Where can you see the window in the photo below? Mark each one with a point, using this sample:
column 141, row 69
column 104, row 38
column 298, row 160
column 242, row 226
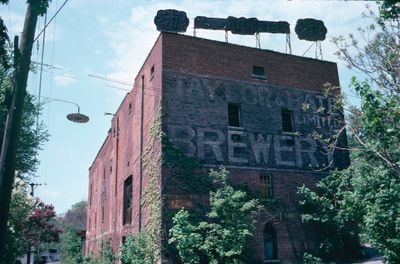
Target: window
column 234, row 115
column 127, row 212
column 130, row 108
column 151, row 72
column 102, row 214
column 287, row 120
column 90, row 194
column 266, row 187
column 258, row 72
column 111, row 162
column 270, row 243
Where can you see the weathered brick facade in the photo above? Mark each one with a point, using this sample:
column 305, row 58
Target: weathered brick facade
column 192, row 81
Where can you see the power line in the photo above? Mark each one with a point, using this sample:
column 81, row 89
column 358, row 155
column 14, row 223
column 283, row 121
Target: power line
column 51, row 19
column 41, row 74
column 110, row 80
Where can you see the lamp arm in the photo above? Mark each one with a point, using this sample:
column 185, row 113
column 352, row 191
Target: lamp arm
column 64, row 101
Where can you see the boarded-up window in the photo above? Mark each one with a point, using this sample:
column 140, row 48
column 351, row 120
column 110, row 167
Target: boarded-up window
column 127, row 210
column 179, row 201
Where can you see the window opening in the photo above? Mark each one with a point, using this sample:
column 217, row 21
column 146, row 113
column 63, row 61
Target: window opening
column 234, row 115
column 287, row 120
column 151, row 72
column 127, row 212
column 270, row 243
column 266, row 187
column 102, row 214
column 258, row 71
column 130, row 108
column 111, row 163
column 90, row 194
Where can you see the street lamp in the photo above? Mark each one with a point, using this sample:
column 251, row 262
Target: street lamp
column 73, row 117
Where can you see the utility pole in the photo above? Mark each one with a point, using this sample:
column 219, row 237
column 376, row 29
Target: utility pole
column 22, row 57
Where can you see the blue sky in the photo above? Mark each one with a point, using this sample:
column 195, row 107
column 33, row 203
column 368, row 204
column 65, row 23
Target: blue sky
column 112, row 39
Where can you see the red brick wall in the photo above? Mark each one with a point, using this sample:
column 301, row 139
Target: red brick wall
column 206, row 57
column 199, row 57
column 186, row 60
column 122, row 145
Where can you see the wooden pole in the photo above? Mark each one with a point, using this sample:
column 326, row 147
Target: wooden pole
column 13, row 124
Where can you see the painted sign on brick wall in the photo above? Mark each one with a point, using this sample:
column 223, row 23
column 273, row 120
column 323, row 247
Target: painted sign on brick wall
column 197, row 121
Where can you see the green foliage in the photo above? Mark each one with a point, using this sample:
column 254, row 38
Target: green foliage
column 335, row 214
column 31, row 222
column 21, row 207
column 311, row 259
column 187, row 237
column 76, row 216
column 224, row 236
column 138, row 249
column 4, row 40
column 389, row 9
column 40, row 5
column 71, row 251
column 31, row 138
column 185, row 171
column 104, row 254
column 363, row 199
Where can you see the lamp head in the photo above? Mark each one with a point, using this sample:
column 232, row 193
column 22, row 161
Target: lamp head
column 78, row 118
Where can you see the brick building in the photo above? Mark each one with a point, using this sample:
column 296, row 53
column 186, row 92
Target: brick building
column 221, row 104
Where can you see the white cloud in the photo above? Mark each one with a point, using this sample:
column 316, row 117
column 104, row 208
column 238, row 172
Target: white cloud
column 14, row 22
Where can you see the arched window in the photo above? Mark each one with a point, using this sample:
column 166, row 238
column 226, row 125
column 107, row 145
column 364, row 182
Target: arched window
column 270, row 248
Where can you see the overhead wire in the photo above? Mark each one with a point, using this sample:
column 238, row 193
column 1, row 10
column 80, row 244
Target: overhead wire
column 41, row 75
column 52, row 68
column 51, row 19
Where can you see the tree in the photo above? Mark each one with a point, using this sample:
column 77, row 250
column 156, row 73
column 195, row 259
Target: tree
column 333, row 212
column 11, row 137
column 21, row 204
column 364, row 198
column 73, row 222
column 137, row 249
column 31, row 223
column 224, row 236
column 71, row 248
column 390, row 9
column 76, row 216
column 32, row 137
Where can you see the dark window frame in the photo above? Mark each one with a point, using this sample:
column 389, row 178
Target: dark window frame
column 152, row 72
column 102, row 214
column 130, row 108
column 234, row 115
column 266, row 185
column 287, row 120
column 272, row 252
column 259, row 72
column 127, row 201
